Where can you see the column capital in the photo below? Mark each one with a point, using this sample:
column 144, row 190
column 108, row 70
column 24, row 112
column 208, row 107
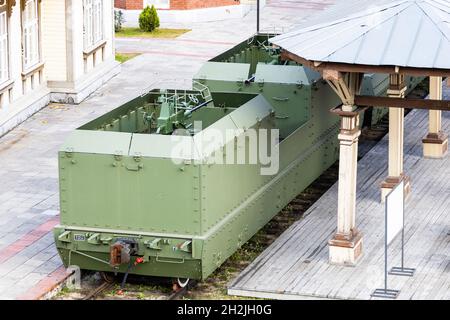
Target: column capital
column 349, row 136
column 349, row 124
column 349, row 108
column 396, row 81
column 394, row 92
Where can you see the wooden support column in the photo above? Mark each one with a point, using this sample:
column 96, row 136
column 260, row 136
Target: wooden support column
column 397, row 89
column 435, row 144
column 346, row 246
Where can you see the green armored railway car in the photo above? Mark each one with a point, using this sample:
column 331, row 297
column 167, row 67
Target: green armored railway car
column 140, row 192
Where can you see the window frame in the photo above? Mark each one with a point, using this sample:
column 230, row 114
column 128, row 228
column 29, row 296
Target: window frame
column 4, row 10
column 26, row 26
column 93, row 24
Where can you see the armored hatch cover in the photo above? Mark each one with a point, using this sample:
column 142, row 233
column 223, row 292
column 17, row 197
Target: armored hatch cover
column 97, row 142
column 223, row 71
column 285, row 74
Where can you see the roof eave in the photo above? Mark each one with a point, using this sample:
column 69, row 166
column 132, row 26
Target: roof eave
column 361, row 68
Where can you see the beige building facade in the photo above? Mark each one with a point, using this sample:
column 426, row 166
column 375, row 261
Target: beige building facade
column 52, row 51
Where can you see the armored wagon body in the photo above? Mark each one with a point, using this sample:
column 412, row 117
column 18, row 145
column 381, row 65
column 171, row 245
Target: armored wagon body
column 139, row 196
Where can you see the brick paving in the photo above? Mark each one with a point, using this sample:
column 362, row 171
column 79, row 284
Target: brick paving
column 29, row 264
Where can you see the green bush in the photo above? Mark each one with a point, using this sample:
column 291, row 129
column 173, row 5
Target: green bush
column 148, row 19
column 118, row 20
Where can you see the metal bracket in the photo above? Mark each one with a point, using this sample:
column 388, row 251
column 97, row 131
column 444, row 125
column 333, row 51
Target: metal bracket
column 185, row 246
column 281, row 99
column 137, row 157
column 65, row 236
column 94, row 238
column 105, row 240
column 135, row 167
column 154, row 244
column 177, row 261
column 69, row 152
column 118, row 156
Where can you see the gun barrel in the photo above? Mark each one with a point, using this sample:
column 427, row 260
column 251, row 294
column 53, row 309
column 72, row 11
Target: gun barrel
column 198, row 107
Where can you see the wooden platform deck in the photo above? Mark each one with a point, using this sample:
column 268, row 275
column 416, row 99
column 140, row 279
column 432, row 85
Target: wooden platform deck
column 296, row 265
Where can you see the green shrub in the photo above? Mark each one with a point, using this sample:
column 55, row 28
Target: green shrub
column 148, row 19
column 118, row 20
column 155, row 15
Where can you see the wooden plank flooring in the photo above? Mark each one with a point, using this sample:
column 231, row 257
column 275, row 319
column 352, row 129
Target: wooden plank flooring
column 296, row 265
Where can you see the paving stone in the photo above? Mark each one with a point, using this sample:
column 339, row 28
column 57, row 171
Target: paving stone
column 50, row 212
column 16, row 271
column 49, row 266
column 30, row 280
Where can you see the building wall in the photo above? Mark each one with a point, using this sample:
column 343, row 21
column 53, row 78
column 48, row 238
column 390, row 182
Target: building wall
column 129, row 4
column 175, row 4
column 80, row 62
column 84, row 66
column 25, row 91
column 197, row 4
column 65, row 72
column 54, row 39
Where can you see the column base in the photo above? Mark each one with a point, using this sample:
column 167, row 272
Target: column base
column 345, row 250
column 435, row 145
column 390, row 183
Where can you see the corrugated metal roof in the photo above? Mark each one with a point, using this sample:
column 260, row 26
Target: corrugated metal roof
column 405, row 33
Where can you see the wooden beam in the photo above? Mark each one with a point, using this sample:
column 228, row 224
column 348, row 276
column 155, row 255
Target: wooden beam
column 286, row 55
column 362, row 68
column 372, row 101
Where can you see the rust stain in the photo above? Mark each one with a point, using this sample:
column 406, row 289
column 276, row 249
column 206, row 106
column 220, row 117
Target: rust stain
column 10, row 143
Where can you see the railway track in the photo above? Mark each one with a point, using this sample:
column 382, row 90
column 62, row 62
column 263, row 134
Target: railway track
column 97, row 291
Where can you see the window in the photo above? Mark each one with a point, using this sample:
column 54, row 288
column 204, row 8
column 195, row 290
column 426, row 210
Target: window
column 4, row 72
column 93, row 23
column 30, row 27
column 159, row 4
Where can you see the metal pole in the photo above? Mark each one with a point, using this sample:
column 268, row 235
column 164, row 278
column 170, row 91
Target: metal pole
column 403, row 233
column 257, row 16
column 385, row 248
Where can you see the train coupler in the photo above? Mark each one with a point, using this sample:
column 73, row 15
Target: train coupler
column 121, row 252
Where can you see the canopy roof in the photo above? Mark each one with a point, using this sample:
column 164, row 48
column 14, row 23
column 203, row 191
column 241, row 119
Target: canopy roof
column 403, row 33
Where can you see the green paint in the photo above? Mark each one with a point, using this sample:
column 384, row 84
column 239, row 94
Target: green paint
column 117, row 179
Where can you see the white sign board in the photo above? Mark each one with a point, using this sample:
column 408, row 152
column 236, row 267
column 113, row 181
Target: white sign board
column 394, row 212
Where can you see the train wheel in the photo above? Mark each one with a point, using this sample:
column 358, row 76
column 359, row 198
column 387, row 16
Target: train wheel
column 180, row 283
column 108, row 276
column 183, row 282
